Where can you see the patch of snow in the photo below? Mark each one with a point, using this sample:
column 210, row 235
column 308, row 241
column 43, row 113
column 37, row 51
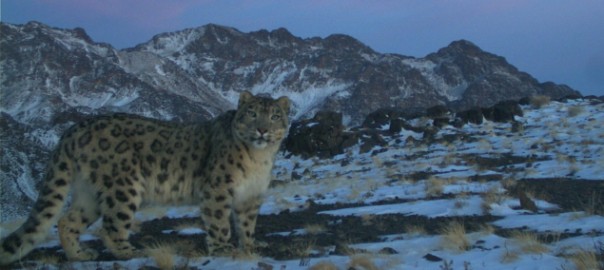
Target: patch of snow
column 303, row 103
column 191, row 231
column 167, row 45
column 159, row 70
column 431, row 208
column 563, row 222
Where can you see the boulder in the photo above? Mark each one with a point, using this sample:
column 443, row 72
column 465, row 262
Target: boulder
column 397, row 125
column 440, row 122
column 473, row 116
column 437, row 111
column 503, row 111
column 380, row 118
column 396, row 119
column 321, row 136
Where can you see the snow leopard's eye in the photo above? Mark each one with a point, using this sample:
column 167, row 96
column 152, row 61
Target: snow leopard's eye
column 251, row 114
column 275, row 117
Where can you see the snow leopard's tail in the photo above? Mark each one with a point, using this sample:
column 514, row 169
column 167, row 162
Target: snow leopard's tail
column 45, row 211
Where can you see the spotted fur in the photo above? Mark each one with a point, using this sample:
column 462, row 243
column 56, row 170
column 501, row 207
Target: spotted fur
column 114, row 163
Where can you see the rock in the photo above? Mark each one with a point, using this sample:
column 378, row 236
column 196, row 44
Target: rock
column 321, row 136
column 432, row 258
column 526, row 202
column 389, row 116
column 517, row 127
column 503, row 111
column 525, row 101
column 440, row 122
column 296, row 176
column 429, row 133
column 370, row 140
column 396, row 125
column 380, row 118
column 573, row 96
column 264, row 266
column 412, row 141
column 595, row 100
column 437, row 111
column 388, row 251
column 458, row 123
column 473, row 116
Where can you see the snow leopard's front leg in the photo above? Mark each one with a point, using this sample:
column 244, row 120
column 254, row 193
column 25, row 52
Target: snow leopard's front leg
column 215, row 213
column 245, row 215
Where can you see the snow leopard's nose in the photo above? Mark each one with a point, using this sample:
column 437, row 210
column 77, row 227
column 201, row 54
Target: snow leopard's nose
column 262, row 131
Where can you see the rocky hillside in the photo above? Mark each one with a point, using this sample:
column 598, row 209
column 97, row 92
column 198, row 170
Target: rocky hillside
column 53, row 77
column 521, row 194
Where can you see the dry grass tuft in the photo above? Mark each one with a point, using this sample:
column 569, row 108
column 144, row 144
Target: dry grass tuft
column 344, row 248
column 163, row 254
column 377, row 161
column 189, row 249
column 490, row 197
column 509, row 256
column 363, row 262
column 314, row 229
column 539, row 101
column 454, row 237
column 593, row 205
column 487, row 229
column 367, row 219
column 586, row 260
column 460, row 203
column 415, row 230
column 575, row 110
column 324, row 266
column 485, row 145
column 448, row 159
column 434, row 187
column 299, row 248
column 529, row 242
column 48, row 259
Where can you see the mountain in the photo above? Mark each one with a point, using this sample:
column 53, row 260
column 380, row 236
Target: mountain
column 340, row 73
column 48, row 71
column 51, row 78
column 198, row 73
column 473, row 77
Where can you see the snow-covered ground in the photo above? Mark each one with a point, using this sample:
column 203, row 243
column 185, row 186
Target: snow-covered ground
column 558, row 140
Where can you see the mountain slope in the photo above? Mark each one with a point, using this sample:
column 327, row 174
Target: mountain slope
column 489, row 196
column 51, row 78
column 46, row 71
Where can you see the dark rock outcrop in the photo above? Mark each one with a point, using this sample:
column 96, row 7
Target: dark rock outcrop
column 503, row 111
column 322, row 136
column 473, row 116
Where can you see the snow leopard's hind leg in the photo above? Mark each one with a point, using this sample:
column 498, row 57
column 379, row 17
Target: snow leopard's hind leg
column 83, row 212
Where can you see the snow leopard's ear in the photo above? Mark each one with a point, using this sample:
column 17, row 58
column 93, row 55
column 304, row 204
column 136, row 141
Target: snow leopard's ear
column 245, row 97
column 284, row 103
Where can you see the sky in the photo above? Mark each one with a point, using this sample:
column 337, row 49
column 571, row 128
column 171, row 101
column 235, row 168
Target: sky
column 553, row 40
